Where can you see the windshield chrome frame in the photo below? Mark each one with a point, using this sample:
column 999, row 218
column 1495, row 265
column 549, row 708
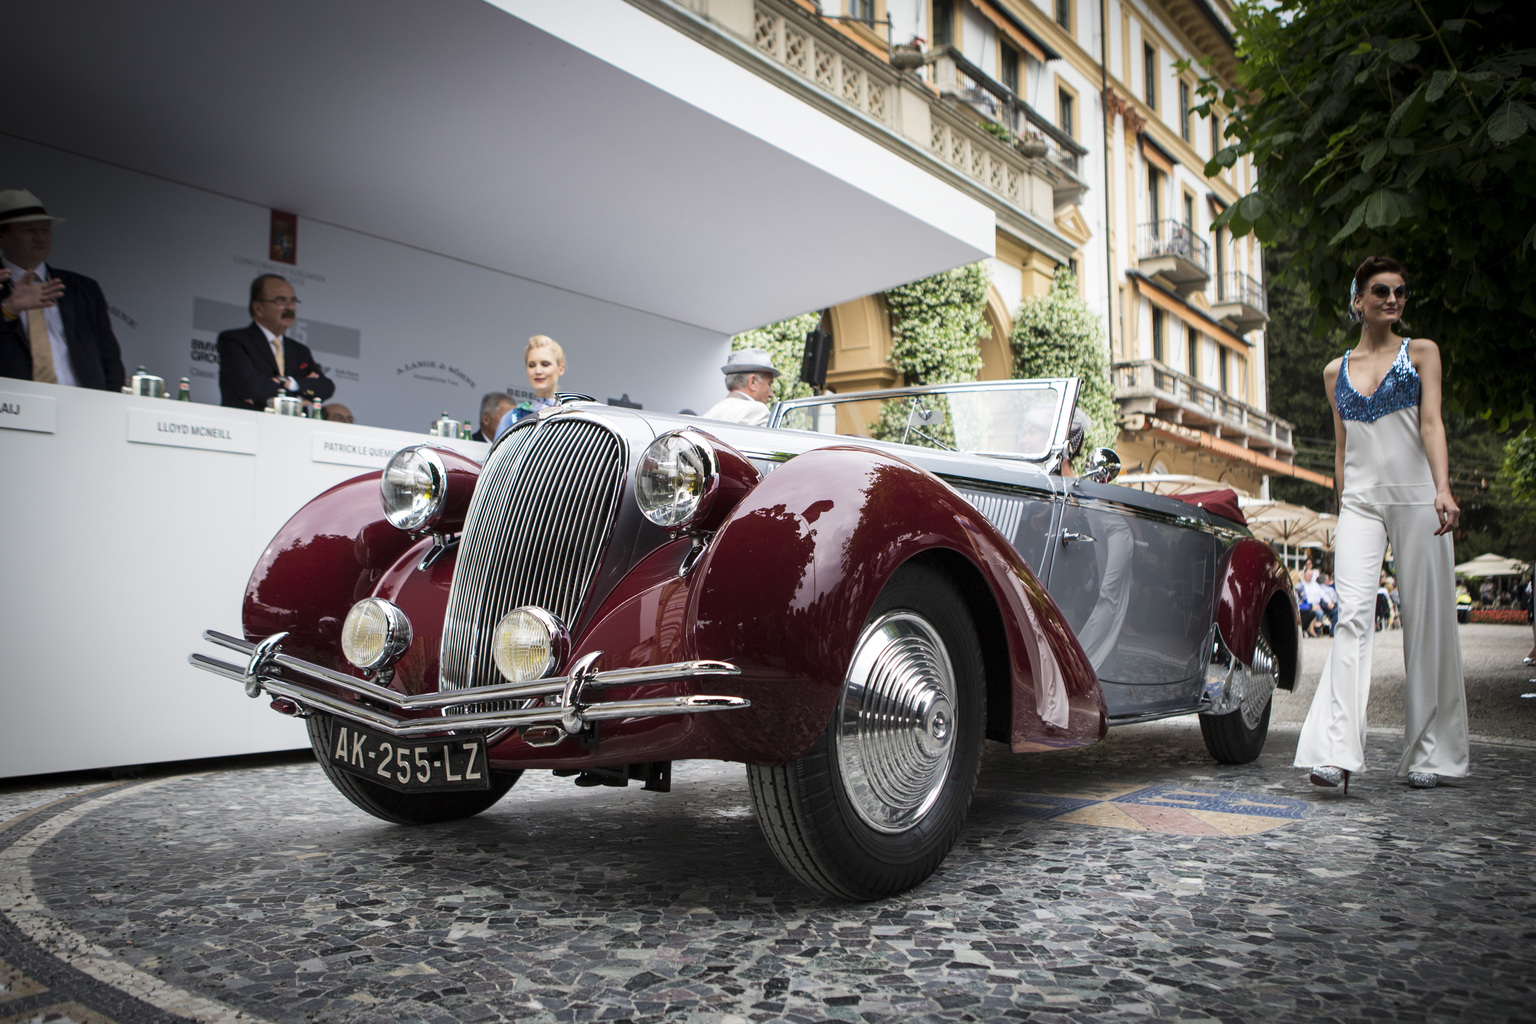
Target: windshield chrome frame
column 1068, row 386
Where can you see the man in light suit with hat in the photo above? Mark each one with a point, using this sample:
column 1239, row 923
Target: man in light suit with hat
column 749, row 378
column 55, row 326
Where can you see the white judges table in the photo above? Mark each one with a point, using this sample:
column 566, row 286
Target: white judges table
column 129, row 525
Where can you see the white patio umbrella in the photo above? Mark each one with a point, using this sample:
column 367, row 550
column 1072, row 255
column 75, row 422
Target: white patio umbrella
column 1484, row 566
column 1171, row 483
column 1284, row 523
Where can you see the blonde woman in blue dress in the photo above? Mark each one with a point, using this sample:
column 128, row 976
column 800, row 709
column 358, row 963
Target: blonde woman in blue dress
column 1393, row 475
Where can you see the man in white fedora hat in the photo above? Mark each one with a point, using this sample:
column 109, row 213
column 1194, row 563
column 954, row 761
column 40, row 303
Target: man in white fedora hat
column 69, row 340
column 749, row 378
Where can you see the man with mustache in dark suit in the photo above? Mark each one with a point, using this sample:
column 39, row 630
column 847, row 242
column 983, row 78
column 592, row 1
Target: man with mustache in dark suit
column 55, row 326
column 258, row 362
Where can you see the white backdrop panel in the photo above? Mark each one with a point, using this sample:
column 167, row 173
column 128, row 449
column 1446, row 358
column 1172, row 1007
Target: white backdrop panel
column 407, row 334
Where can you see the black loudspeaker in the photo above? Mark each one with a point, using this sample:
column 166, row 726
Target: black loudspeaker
column 818, row 352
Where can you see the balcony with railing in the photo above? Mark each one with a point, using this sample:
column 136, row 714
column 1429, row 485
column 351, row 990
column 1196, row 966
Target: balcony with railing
column 1150, row 387
column 1173, row 253
column 961, row 82
column 1240, row 302
column 842, row 72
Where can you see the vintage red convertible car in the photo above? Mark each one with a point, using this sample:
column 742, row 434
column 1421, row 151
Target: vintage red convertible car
column 615, row 589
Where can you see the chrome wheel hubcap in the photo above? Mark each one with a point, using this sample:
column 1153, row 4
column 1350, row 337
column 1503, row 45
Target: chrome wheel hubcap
column 896, row 721
column 1263, row 677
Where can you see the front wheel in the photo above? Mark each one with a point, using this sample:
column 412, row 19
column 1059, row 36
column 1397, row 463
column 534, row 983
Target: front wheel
column 878, row 801
column 1237, row 737
column 404, row 808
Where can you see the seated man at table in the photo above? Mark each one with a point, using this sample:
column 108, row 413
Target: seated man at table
column 257, row 362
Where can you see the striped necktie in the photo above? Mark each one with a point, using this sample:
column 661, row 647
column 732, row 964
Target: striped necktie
column 37, row 335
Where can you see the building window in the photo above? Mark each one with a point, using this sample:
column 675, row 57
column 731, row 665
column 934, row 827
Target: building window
column 864, row 10
column 1157, row 334
column 1221, row 264
column 1215, row 133
column 1149, row 74
column 1010, row 67
column 1154, row 187
column 1194, row 353
column 1064, row 113
column 1189, row 212
column 1225, row 380
column 1064, row 14
column 1072, row 266
column 1184, row 115
column 943, row 22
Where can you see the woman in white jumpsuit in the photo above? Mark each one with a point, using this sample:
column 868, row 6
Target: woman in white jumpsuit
column 1391, row 467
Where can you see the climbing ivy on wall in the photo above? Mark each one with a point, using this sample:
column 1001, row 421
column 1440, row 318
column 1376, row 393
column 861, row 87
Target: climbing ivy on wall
column 935, row 326
column 785, row 344
column 936, row 323
column 1056, row 335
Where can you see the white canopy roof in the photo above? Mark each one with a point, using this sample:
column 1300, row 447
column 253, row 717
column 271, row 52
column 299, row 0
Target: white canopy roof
column 584, row 145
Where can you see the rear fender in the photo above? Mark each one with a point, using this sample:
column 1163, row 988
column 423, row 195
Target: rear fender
column 1256, row 587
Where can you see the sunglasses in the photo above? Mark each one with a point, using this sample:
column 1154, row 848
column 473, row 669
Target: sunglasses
column 1381, row 291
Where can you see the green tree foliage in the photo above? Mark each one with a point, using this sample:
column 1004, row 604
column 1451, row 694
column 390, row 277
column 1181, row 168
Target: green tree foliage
column 1056, row 335
column 1295, row 356
column 1517, row 477
column 1520, row 465
column 785, row 344
column 1404, row 128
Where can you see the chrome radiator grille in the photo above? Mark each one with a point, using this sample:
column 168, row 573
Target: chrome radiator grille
column 536, row 530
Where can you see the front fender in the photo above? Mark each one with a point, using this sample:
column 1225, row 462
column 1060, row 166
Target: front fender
column 332, row 553
column 788, row 581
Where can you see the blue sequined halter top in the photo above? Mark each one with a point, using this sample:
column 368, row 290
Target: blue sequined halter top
column 1399, row 389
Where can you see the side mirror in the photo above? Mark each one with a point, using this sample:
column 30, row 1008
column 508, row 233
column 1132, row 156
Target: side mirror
column 1103, row 466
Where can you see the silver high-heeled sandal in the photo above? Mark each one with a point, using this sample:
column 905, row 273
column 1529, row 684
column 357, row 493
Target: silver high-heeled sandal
column 1328, row 775
column 1423, row 780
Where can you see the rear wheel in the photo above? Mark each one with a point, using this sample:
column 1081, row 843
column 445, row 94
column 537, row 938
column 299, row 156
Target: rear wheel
column 404, row 808
column 878, row 801
column 1237, row 737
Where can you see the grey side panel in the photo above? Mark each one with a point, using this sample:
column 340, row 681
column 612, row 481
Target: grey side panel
column 1136, row 583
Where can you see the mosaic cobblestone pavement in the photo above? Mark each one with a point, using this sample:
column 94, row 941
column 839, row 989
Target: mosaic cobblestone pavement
column 258, row 894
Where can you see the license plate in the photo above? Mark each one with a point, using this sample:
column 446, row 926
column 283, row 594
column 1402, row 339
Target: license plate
column 408, row 765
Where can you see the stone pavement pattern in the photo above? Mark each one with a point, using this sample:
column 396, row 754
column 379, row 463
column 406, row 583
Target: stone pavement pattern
column 1116, row 883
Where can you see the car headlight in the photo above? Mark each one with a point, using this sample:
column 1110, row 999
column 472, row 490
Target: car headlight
column 675, row 478
column 375, row 634
column 414, row 487
column 528, row 642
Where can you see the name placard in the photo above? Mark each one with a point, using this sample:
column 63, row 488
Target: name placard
column 348, row 450
column 28, row 412
column 181, row 430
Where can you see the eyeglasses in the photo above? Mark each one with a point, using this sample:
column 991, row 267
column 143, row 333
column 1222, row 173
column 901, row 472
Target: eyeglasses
column 1381, row 291
column 281, row 301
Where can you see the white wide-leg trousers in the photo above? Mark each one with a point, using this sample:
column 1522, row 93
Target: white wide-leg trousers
column 1434, row 698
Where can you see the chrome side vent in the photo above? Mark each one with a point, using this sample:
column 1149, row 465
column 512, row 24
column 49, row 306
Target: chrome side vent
column 535, row 533
column 1003, row 512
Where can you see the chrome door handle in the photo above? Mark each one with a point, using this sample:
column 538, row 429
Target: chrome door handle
column 1069, row 537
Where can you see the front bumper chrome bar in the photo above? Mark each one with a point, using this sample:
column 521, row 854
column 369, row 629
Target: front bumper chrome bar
column 268, row 669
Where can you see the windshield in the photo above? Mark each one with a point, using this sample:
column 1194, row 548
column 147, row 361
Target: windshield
column 1019, row 419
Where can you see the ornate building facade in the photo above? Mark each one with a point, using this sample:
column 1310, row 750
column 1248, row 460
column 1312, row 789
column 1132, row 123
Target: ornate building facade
column 1072, row 121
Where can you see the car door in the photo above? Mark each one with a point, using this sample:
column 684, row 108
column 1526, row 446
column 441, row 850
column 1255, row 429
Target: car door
column 1134, row 575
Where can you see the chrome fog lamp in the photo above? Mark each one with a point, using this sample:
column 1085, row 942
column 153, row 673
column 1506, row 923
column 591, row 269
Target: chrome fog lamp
column 375, row 634
column 413, row 488
column 528, row 643
column 675, row 478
